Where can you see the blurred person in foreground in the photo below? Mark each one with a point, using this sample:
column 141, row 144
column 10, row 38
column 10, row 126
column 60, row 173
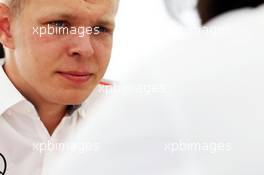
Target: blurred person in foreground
column 56, row 54
column 194, row 108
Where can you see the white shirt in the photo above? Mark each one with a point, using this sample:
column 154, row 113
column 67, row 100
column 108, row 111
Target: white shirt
column 22, row 132
column 212, row 104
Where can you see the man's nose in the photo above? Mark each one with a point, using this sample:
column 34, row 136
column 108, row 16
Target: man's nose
column 81, row 46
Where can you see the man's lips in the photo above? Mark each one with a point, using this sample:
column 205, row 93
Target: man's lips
column 75, row 76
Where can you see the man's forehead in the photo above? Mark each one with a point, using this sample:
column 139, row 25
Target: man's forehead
column 76, row 2
column 113, row 3
column 73, row 10
column 98, row 6
column 7, row 2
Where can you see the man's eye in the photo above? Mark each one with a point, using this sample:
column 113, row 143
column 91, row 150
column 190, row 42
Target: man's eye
column 101, row 29
column 58, row 23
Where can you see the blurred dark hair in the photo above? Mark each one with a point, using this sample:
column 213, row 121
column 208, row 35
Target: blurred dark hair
column 209, row 9
column 2, row 53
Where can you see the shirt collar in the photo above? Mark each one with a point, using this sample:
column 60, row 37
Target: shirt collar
column 72, row 108
column 99, row 94
column 9, row 95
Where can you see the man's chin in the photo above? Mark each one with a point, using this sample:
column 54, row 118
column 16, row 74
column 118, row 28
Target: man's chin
column 72, row 96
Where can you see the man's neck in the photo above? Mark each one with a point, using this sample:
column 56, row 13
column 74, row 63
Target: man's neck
column 51, row 115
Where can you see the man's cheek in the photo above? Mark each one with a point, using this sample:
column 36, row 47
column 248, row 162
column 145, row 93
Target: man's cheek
column 46, row 48
column 43, row 39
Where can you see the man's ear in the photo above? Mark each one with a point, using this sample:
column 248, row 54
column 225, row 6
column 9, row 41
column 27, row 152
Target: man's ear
column 5, row 22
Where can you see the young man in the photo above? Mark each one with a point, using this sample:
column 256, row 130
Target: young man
column 47, row 76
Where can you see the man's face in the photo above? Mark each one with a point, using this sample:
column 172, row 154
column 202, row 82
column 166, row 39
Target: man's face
column 63, row 68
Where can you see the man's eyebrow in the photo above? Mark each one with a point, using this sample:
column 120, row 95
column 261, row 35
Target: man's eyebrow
column 106, row 22
column 63, row 15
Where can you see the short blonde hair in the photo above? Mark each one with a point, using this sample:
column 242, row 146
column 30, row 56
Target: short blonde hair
column 14, row 5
